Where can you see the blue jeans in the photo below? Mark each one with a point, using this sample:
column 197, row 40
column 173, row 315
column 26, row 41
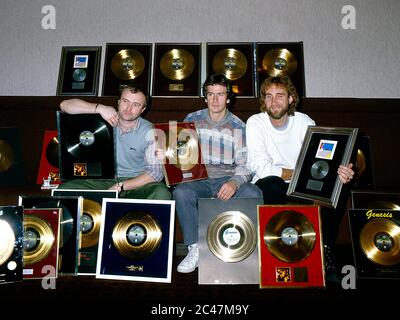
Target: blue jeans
column 186, row 195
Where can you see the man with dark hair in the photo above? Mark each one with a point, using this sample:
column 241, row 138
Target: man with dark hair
column 139, row 173
column 223, row 145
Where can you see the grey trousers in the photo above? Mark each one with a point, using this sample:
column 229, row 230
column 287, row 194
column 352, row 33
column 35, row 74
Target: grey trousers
column 186, row 195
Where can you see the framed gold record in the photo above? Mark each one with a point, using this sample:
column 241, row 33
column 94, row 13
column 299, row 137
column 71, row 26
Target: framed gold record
column 177, row 69
column 183, row 159
column 11, row 244
column 277, row 59
column 375, row 234
column 136, row 240
column 235, row 61
column 126, row 64
column 290, row 246
column 41, row 242
column 90, row 223
column 228, row 241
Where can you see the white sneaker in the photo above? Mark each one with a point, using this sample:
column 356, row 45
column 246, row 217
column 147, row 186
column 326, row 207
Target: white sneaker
column 191, row 261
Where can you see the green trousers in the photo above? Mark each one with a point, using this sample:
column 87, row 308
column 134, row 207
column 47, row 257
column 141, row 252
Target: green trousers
column 154, row 190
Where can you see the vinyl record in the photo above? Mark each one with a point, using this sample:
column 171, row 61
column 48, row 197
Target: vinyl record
column 279, row 62
column 230, row 62
column 127, row 64
column 177, row 64
column 52, row 152
column 289, row 236
column 90, row 223
column 86, row 140
column 185, row 154
column 7, row 241
column 380, row 241
column 6, row 156
column 319, row 169
column 38, row 239
column 137, row 235
column 361, row 163
column 79, row 75
column 231, row 236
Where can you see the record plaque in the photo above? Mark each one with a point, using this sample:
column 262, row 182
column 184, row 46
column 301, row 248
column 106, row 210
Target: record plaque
column 48, row 167
column 315, row 175
column 183, row 161
column 136, row 240
column 176, row 70
column 364, row 165
column 69, row 226
column 290, row 246
column 41, row 241
column 375, row 237
column 79, row 71
column 228, row 241
column 11, row 166
column 86, row 148
column 11, row 251
column 90, row 224
column 127, row 64
column 236, row 62
column 277, row 59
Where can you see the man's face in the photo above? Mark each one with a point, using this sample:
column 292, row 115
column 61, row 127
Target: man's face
column 277, row 101
column 131, row 105
column 216, row 98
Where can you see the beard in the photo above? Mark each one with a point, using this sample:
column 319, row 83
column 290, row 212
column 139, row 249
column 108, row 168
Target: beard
column 277, row 115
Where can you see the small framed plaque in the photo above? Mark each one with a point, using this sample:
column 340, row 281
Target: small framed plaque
column 79, row 71
column 315, row 175
column 176, row 70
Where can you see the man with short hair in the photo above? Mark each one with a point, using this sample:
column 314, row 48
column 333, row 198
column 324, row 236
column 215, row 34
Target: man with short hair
column 223, row 145
column 139, row 173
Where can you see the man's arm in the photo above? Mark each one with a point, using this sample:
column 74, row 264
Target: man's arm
column 79, row 106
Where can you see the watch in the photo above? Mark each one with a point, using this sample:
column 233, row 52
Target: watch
column 121, row 185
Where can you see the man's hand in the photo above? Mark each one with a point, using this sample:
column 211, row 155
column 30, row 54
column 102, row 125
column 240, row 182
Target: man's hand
column 109, row 114
column 227, row 190
column 345, row 173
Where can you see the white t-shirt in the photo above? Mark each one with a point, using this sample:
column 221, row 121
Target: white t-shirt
column 269, row 149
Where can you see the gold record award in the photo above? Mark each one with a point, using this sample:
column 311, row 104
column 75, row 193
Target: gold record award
column 187, row 153
column 230, row 62
column 290, row 236
column 177, row 64
column 6, row 156
column 7, row 241
column 279, row 62
column 231, row 236
column 136, row 235
column 90, row 223
column 127, row 64
column 380, row 241
column 38, row 239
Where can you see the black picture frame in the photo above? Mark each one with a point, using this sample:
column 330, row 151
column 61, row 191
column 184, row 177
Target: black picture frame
column 79, row 71
column 127, row 64
column 315, row 175
column 235, row 60
column 176, row 70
